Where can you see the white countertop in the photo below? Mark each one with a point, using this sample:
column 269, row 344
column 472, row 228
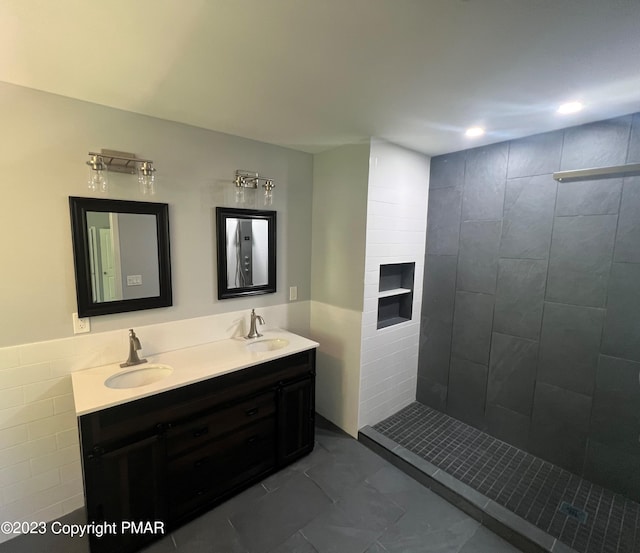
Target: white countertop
column 189, row 365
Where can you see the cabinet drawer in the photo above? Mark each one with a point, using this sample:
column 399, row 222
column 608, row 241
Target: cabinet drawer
column 199, row 431
column 220, row 465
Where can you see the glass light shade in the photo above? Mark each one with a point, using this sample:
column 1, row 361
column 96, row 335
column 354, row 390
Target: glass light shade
column 268, row 192
column 147, row 179
column 147, row 185
column 97, row 181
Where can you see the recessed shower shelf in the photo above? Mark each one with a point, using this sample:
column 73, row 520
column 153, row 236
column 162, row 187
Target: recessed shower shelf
column 391, row 321
column 395, row 294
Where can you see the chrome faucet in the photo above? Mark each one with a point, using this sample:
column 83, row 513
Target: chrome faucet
column 253, row 331
column 134, row 347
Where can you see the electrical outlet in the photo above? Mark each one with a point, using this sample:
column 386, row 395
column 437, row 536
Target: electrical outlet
column 81, row 325
column 293, row 293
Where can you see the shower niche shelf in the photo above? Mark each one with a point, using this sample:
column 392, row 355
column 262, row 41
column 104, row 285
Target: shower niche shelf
column 395, row 294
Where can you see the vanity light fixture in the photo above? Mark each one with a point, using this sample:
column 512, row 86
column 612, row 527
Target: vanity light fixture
column 249, row 179
column 120, row 162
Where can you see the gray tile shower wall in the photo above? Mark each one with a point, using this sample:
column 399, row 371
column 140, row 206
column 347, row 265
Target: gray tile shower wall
column 531, row 308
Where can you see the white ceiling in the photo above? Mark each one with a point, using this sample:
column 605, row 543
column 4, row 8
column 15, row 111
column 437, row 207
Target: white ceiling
column 312, row 74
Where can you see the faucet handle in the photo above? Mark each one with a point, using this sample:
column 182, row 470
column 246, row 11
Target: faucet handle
column 255, row 319
column 134, row 339
column 134, row 347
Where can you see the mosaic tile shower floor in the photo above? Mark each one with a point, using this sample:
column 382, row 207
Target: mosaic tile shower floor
column 526, row 485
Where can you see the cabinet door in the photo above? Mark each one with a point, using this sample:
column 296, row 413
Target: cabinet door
column 296, row 410
column 126, row 484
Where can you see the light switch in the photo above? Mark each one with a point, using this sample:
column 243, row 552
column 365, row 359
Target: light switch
column 134, row 280
column 293, row 293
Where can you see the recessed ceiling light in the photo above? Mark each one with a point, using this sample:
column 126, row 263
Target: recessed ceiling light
column 474, row 131
column 570, row 107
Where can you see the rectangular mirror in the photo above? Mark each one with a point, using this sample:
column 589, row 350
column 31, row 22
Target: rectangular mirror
column 121, row 255
column 246, row 252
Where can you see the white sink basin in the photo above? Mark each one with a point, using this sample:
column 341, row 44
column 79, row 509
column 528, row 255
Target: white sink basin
column 266, row 344
column 139, row 376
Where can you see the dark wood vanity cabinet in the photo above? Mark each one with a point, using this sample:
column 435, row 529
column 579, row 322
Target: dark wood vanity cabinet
column 296, row 411
column 127, row 483
column 171, row 456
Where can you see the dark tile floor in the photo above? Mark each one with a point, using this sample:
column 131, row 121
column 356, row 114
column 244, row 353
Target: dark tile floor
column 340, row 498
column 531, row 488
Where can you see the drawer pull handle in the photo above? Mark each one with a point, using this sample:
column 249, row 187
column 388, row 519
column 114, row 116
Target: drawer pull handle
column 201, row 432
column 251, row 412
column 252, row 440
column 200, row 462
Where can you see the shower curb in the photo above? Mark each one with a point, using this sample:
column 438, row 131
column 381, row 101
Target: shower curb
column 509, row 526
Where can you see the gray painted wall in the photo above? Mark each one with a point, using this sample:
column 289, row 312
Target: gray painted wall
column 195, row 173
column 139, row 254
column 531, row 306
column 340, row 186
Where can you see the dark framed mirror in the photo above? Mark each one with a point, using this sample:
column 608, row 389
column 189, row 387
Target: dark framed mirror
column 246, row 240
column 121, row 255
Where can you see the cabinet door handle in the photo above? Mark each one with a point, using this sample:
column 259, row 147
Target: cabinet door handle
column 96, row 452
column 251, row 412
column 252, row 440
column 200, row 431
